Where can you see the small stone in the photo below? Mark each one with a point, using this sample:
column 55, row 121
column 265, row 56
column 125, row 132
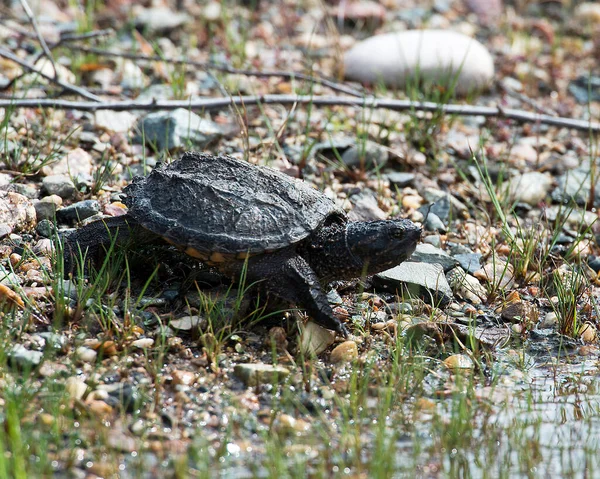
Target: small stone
column 588, row 13
column 411, row 202
column 77, row 163
column 60, row 185
column 184, row 378
column 86, row 355
column 46, row 208
column 212, row 11
column 167, row 130
column 466, row 286
column 78, row 211
column 400, row 179
column 434, row 240
column 75, row 387
column 315, row 339
column 550, row 321
column 530, row 188
column 470, row 262
column 188, row 324
column 588, row 333
column 277, row 338
column 459, row 362
column 254, row 374
column 46, row 229
column 99, row 408
column 25, row 358
column 521, row 312
column 365, row 208
column 159, row 18
column 44, row 246
column 435, row 57
column 365, row 155
column 115, row 121
column 17, row 213
column 115, row 209
column 344, row 353
column 143, row 343
column 498, row 273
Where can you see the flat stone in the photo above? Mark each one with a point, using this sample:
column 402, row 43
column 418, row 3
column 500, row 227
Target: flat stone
column 78, row 211
column 159, row 18
column 436, row 57
column 365, row 207
column 400, row 179
column 424, row 280
column 45, row 209
column 470, row 262
column 254, row 374
column 175, row 129
column 575, row 185
column 427, row 253
column 77, row 163
column 344, row 353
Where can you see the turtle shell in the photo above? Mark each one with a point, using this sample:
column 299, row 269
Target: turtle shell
column 218, row 205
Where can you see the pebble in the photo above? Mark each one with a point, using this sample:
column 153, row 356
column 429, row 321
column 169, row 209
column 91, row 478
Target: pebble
column 167, row 130
column 45, row 208
column 424, row 280
column 75, row 387
column 498, row 273
column 188, row 324
column 86, row 355
column 400, row 179
column 521, row 312
column 25, row 358
column 466, row 286
column 45, row 228
column 550, row 321
column 115, row 121
column 60, row 185
column 365, row 208
column 159, row 18
column 588, row 333
column 315, row 339
column 530, row 188
column 588, row 13
column 78, row 211
column 143, row 343
column 397, row 58
column 459, row 362
column 77, row 163
column 17, row 213
column 575, row 185
column 470, row 262
column 344, row 353
column 365, row 155
column 254, row 374
column 184, row 378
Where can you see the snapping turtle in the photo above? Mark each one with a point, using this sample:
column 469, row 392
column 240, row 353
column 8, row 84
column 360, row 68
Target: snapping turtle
column 226, row 212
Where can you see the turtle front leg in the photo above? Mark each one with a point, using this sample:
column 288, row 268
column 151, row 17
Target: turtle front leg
column 87, row 242
column 291, row 278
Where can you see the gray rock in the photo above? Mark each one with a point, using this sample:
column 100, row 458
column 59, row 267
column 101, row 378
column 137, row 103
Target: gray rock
column 433, row 195
column 45, row 228
column 8, row 278
column 334, row 297
column 68, row 289
column 115, row 121
column 424, row 280
column 54, row 341
column 365, row 207
column 78, row 211
column 254, row 374
column 530, row 188
column 427, row 253
column 434, row 240
column 400, row 179
column 434, row 223
column 45, row 209
column 60, row 185
column 470, row 262
column 25, row 358
column 575, row 185
column 366, row 154
column 434, row 57
column 177, row 129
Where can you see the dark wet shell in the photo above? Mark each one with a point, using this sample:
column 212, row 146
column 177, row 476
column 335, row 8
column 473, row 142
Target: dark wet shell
column 221, row 204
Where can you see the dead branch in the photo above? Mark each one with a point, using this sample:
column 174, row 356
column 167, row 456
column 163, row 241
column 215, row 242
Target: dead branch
column 66, row 86
column 212, row 104
column 39, row 35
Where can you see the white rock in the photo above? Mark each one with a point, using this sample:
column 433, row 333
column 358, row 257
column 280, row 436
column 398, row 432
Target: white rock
column 438, row 56
column 530, row 188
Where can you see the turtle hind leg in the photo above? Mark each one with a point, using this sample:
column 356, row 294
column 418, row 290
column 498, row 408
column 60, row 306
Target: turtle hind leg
column 84, row 245
column 290, row 278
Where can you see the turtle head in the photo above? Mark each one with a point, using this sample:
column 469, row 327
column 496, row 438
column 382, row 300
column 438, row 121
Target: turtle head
column 380, row 245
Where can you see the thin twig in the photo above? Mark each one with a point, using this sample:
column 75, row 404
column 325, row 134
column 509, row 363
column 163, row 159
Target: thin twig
column 224, row 68
column 67, row 86
column 212, row 104
column 39, row 35
column 525, row 99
